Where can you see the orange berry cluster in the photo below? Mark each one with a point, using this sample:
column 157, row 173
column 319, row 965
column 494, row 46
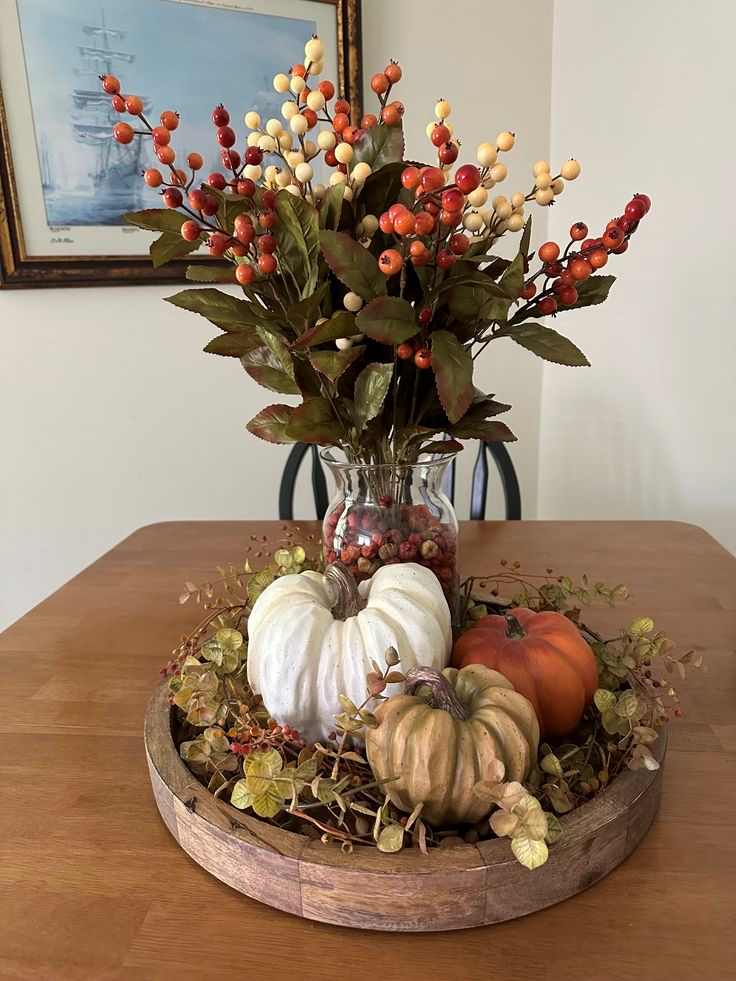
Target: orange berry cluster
column 563, row 271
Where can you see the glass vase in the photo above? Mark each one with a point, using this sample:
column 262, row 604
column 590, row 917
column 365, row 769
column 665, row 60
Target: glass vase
column 386, row 513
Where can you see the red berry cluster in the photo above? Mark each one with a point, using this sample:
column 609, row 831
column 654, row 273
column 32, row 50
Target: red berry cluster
column 441, row 137
column 340, row 120
column 417, row 348
column 382, row 83
column 563, row 271
column 172, row 667
column 246, row 741
column 252, row 240
column 427, row 230
column 367, row 536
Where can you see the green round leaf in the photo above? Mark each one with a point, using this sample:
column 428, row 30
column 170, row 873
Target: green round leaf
column 391, row 839
column 530, row 852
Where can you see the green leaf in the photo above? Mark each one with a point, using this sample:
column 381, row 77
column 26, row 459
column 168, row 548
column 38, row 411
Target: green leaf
column 495, row 309
column 264, row 764
column 370, row 392
column 297, row 234
column 489, row 431
column 504, row 824
column 645, row 735
column 314, row 422
column 200, row 273
column 497, row 267
column 220, row 308
column 271, row 365
column 300, row 315
column 195, row 751
column 526, row 238
column 512, row 281
column 604, row 700
column 353, row 265
column 530, row 852
column 613, row 723
column 554, row 828
column 379, row 145
column 485, row 406
column 383, row 188
column 641, row 627
column 157, row 219
column 559, row 796
column 331, row 207
column 627, row 706
column 548, row 344
column 230, row 639
column 453, row 371
column 551, row 764
column 306, row 378
column 332, row 364
column 442, row 446
column 477, row 255
column 240, row 797
column 232, row 205
column 261, row 365
column 169, row 246
column 271, row 424
column 340, row 324
column 474, row 424
column 269, row 801
column 234, row 345
column 391, row 838
column 592, row 291
column 468, row 294
column 387, row 319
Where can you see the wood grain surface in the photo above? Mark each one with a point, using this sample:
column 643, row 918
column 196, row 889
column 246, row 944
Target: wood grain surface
column 450, row 889
column 92, row 884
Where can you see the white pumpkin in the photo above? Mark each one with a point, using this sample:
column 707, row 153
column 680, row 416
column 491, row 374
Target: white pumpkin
column 302, row 655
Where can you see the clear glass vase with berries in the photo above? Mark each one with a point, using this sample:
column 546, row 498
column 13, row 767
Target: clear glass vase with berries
column 386, row 513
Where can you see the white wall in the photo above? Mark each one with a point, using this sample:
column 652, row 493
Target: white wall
column 643, row 94
column 489, row 92
column 111, row 417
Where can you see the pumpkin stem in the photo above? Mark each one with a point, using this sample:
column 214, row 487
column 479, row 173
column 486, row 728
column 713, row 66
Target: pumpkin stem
column 514, row 629
column 343, row 590
column 444, row 695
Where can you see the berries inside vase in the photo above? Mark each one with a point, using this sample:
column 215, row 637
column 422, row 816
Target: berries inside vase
column 383, row 514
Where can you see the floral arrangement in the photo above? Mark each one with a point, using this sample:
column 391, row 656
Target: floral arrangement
column 338, row 788
column 370, row 284
column 351, row 697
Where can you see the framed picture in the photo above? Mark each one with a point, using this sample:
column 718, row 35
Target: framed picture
column 65, row 183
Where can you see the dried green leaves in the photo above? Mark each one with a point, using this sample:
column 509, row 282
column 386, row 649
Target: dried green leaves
column 519, row 817
column 268, row 784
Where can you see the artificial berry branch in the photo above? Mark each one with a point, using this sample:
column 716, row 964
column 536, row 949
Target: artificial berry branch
column 428, row 254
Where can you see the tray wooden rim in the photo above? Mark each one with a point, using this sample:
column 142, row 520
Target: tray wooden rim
column 454, row 888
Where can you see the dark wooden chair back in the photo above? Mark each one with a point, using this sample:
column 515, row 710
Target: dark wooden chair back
column 478, row 490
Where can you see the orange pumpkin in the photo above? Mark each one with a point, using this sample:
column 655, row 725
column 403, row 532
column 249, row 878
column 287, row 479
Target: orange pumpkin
column 544, row 657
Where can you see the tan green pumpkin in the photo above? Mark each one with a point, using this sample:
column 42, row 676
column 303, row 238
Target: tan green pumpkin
column 438, row 749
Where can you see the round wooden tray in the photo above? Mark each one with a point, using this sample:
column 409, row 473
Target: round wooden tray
column 465, row 886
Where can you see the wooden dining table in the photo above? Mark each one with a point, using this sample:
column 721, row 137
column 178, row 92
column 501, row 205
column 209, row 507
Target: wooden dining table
column 92, row 885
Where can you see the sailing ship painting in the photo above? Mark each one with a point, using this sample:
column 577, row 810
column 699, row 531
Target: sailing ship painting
column 87, row 179
column 114, row 170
